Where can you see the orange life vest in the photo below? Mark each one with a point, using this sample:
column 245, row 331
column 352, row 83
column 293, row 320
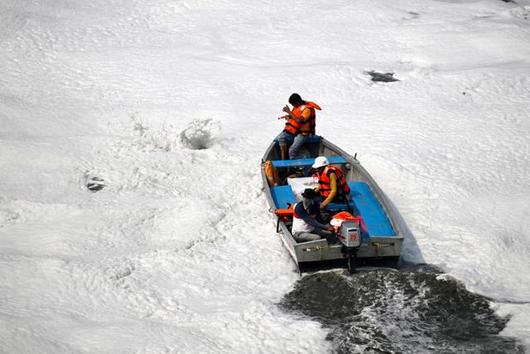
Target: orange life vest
column 270, row 173
column 307, row 127
column 346, row 216
column 324, row 182
column 285, row 214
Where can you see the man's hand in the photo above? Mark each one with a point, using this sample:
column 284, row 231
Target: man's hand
column 286, row 109
column 322, row 206
column 330, row 228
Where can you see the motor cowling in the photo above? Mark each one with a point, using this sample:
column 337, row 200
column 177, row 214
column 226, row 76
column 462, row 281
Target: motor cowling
column 349, row 234
column 347, row 228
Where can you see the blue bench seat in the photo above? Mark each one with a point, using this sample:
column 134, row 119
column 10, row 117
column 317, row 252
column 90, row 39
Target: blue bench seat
column 334, row 160
column 367, row 205
column 283, row 196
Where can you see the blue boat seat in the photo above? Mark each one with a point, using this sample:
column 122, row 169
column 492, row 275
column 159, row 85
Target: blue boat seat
column 313, row 139
column 334, row 160
column 372, row 212
column 283, row 196
column 334, row 207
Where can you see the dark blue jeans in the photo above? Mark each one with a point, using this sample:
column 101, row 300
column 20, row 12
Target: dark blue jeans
column 298, row 141
column 285, row 138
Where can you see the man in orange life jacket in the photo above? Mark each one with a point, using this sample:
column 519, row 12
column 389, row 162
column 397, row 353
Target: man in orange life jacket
column 300, row 125
column 332, row 184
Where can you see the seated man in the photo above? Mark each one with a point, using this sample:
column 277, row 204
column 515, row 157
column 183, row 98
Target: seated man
column 332, row 184
column 306, row 226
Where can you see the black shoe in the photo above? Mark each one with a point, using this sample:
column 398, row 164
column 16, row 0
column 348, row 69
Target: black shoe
column 332, row 240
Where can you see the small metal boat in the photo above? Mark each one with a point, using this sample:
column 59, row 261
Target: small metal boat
column 379, row 227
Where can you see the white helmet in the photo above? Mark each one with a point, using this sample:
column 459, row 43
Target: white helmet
column 320, row 161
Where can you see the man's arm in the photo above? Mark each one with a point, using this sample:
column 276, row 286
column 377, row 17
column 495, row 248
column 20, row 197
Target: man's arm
column 306, row 113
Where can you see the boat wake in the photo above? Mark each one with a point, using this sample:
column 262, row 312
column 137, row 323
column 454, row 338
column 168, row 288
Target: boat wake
column 418, row 309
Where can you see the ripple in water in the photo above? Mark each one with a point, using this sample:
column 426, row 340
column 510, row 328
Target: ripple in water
column 409, row 311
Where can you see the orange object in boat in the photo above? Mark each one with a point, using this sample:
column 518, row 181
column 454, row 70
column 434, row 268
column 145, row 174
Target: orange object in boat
column 285, row 214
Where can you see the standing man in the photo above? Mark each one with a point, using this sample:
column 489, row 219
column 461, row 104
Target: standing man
column 331, row 182
column 306, row 226
column 301, row 123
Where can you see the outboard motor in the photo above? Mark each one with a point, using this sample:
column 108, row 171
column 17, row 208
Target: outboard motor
column 349, row 234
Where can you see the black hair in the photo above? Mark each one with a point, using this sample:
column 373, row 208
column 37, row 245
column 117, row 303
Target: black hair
column 296, row 100
column 310, row 193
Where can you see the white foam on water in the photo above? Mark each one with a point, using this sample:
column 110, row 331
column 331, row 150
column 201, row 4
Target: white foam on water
column 177, row 252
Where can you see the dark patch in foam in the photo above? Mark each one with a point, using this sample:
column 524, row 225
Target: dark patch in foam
column 415, row 310
column 199, row 134
column 94, row 183
column 381, row 77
